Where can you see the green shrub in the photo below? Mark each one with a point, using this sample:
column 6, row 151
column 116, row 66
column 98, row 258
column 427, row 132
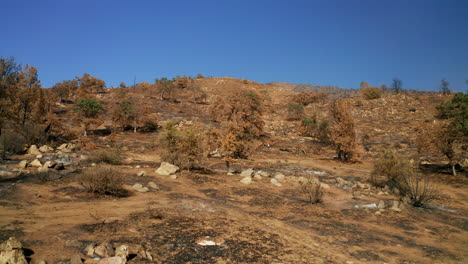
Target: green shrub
column 182, row 146
column 103, row 181
column 89, row 107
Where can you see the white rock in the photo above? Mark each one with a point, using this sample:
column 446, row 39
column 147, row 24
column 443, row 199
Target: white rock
column 45, row 149
column 23, row 164
column 63, row 146
column 247, row 173
column 279, row 176
column 275, row 182
column 42, row 169
column 167, row 169
column 39, row 156
column 141, row 173
column 257, row 177
column 140, row 188
column 173, row 177
column 113, row 260
column 35, row 163
column 246, row 180
column 33, row 150
column 11, row 252
column 324, row 186
column 153, row 185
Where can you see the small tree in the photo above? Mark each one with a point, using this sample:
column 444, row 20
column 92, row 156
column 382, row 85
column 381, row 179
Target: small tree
column 125, row 114
column 397, row 85
column 444, row 86
column 89, row 108
column 166, row 88
column 65, row 89
column 342, row 132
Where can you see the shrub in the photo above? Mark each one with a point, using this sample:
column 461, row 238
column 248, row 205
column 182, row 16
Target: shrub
column 103, row 181
column 312, row 191
column 125, row 114
column 11, row 142
column 306, row 98
column 110, row 156
column 393, row 168
column 182, row 146
column 420, row 190
column 342, row 133
column 308, row 126
column 89, row 107
column 295, row 111
column 371, row 93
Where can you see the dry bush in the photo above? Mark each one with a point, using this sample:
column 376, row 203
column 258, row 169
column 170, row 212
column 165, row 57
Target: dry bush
column 295, row 111
column 420, row 190
column 392, row 169
column 343, row 133
column 371, row 93
column 111, row 156
column 103, row 181
column 198, row 95
column 306, row 98
column 311, row 127
column 312, row 191
column 182, row 146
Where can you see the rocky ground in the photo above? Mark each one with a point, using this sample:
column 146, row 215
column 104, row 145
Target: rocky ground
column 257, row 214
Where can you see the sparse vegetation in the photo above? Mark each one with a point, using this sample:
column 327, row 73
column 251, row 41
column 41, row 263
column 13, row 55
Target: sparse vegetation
column 342, row 132
column 371, row 93
column 311, row 190
column 103, row 181
column 89, row 108
column 110, row 156
column 295, row 111
column 182, row 146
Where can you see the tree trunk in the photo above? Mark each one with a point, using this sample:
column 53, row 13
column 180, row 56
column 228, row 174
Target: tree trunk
column 134, row 129
column 454, row 171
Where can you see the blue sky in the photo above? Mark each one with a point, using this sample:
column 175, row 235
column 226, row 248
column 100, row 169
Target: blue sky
column 322, row 42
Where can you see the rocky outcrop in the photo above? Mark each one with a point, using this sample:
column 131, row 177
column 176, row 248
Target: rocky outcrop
column 167, row 169
column 11, row 252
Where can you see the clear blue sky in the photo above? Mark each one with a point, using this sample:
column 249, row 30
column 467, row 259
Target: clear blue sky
column 322, row 42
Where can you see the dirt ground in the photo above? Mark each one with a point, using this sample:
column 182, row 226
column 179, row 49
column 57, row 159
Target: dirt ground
column 259, row 222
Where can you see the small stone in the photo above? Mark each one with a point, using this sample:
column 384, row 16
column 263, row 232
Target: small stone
column 279, row 176
column 141, row 173
column 167, row 169
column 137, row 166
column 173, row 177
column 380, row 193
column 23, row 164
column 381, row 204
column 153, row 185
column 247, row 173
column 140, row 188
column 45, row 149
column 378, row 213
column 42, row 169
column 275, row 182
column 258, row 177
column 325, row 186
column 112, row 260
column 63, row 146
column 49, row 164
column 89, row 250
column 33, row 150
column 246, row 180
column 39, row 156
column 76, row 259
column 93, row 164
column 104, row 250
column 35, row 163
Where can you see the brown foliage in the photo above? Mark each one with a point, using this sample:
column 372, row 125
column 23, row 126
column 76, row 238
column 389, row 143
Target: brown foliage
column 306, row 98
column 371, row 92
column 343, row 133
column 103, row 181
column 312, row 191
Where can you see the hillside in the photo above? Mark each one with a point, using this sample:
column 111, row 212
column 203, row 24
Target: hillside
column 257, row 210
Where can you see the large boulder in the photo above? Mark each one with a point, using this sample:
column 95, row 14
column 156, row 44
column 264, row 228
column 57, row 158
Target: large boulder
column 33, row 150
column 11, row 252
column 167, row 169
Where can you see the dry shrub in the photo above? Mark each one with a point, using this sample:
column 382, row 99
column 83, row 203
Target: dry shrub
column 103, row 181
column 420, row 190
column 295, row 111
column 182, row 146
column 371, row 93
column 391, row 168
column 312, row 191
column 111, row 156
column 311, row 127
column 306, row 98
column 398, row 173
column 343, row 133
